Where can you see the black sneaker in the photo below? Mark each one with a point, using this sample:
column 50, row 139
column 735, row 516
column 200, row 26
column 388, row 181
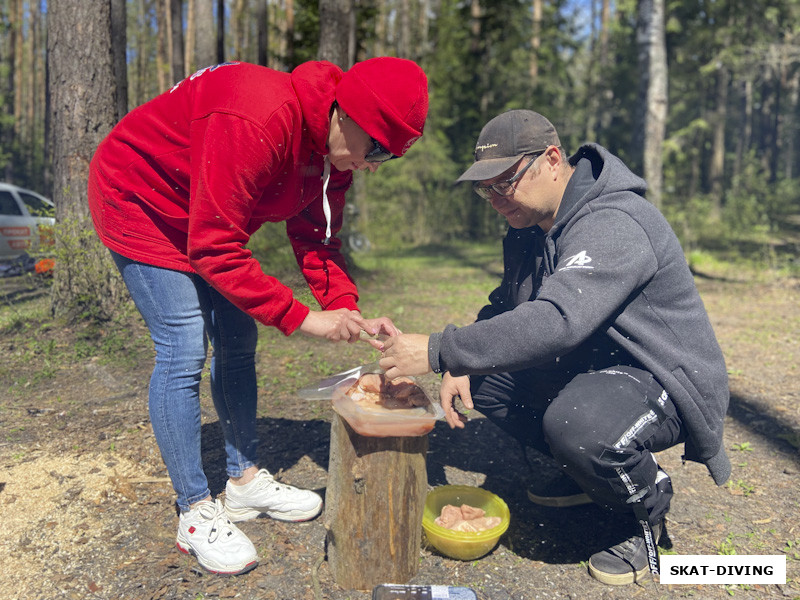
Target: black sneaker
column 626, row 562
column 551, row 486
column 557, row 492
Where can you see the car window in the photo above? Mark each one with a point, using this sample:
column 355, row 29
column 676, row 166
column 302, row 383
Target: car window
column 36, row 206
column 8, row 205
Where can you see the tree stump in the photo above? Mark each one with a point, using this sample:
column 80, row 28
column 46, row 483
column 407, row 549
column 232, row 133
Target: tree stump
column 373, row 506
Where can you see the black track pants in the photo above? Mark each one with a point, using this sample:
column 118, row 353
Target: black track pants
column 602, row 427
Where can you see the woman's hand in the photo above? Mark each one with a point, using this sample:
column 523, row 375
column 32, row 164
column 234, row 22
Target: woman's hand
column 381, row 328
column 451, row 388
column 341, row 325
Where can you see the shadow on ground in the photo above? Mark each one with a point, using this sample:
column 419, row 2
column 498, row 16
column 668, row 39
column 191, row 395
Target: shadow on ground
column 481, row 455
column 757, row 415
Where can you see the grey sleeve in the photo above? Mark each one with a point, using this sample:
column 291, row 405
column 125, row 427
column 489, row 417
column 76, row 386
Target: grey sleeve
column 434, row 342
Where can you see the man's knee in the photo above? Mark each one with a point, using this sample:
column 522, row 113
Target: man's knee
column 572, row 429
column 586, row 415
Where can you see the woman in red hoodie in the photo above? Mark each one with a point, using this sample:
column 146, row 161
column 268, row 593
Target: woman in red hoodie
column 177, row 189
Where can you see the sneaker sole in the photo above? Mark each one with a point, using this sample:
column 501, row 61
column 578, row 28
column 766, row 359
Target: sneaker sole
column 560, row 501
column 216, row 570
column 237, row 515
column 618, row 578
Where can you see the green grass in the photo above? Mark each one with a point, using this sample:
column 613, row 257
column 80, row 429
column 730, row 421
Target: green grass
column 21, row 312
column 422, row 289
column 38, row 347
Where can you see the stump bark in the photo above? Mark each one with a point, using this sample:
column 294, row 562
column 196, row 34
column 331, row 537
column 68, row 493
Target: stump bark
column 373, row 506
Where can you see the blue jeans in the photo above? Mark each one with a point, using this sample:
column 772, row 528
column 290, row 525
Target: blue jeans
column 182, row 313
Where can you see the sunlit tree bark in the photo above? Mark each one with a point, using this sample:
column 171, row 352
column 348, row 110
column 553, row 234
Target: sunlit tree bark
column 162, row 51
column 119, row 51
column 174, row 22
column 653, row 94
column 205, row 43
column 334, row 28
column 536, row 39
column 190, row 60
column 289, row 34
column 83, row 89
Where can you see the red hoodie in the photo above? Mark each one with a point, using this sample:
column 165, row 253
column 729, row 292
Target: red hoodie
column 183, row 181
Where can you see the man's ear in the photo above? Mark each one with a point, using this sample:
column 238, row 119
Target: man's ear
column 554, row 158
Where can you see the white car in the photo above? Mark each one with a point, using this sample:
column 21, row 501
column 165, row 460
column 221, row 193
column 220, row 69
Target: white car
column 26, row 222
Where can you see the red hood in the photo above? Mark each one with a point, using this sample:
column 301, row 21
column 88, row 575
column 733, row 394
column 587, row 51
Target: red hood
column 315, row 86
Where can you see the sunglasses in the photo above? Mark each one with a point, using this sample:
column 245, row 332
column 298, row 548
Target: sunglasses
column 378, row 154
column 505, row 187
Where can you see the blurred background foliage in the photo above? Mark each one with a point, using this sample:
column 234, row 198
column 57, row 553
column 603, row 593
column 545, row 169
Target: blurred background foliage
column 731, row 156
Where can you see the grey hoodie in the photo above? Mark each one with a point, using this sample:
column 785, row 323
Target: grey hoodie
column 610, row 270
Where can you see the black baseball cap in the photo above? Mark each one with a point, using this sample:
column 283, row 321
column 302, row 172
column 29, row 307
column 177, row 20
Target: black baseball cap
column 506, row 139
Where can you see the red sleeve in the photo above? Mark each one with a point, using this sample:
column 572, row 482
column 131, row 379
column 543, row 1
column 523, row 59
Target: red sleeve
column 232, row 161
column 324, row 266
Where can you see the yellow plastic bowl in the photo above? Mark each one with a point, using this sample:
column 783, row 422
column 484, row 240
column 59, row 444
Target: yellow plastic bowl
column 463, row 545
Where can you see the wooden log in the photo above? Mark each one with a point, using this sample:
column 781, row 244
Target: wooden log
column 373, row 506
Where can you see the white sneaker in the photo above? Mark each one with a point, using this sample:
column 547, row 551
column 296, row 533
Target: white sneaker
column 265, row 495
column 220, row 547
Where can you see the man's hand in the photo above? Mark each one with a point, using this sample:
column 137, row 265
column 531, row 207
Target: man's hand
column 453, row 387
column 405, row 354
column 336, row 325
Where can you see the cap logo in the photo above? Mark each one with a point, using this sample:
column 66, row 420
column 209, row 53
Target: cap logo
column 485, row 147
column 409, row 143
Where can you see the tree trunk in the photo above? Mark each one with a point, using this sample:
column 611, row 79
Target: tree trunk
column 373, row 506
column 536, row 40
column 238, row 29
column 174, row 16
column 19, row 72
column 653, row 73
column 746, row 119
column 422, row 49
column 220, row 31
column 9, row 63
column 83, row 110
column 352, row 38
column 263, row 33
column 382, row 28
column 139, row 65
column 119, row 51
column 404, row 29
column 289, row 37
column 205, row 42
column 29, row 139
column 334, row 28
column 790, row 147
column 475, row 13
column 716, row 170
column 592, row 78
column 162, row 47
column 190, row 60
column 600, row 92
column 767, row 109
column 38, row 96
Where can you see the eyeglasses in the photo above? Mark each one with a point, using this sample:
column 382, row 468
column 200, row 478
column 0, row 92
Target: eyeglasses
column 378, row 154
column 502, row 188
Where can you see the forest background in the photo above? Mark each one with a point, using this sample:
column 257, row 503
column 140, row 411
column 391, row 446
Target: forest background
column 701, row 97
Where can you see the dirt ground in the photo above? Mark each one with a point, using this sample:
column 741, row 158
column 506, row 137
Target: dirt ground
column 88, row 512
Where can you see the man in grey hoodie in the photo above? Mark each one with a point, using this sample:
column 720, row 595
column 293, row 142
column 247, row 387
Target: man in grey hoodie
column 596, row 348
